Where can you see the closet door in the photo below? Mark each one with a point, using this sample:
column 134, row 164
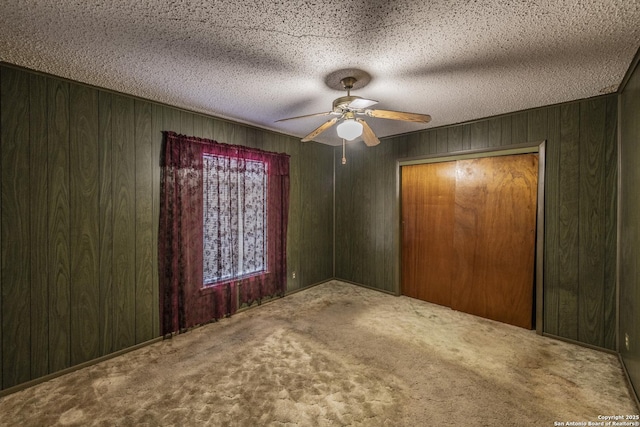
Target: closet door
column 468, row 235
column 428, row 204
column 494, row 237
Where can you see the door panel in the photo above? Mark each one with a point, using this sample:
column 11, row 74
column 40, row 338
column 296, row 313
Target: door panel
column 494, row 237
column 428, row 204
column 469, row 236
column 467, row 266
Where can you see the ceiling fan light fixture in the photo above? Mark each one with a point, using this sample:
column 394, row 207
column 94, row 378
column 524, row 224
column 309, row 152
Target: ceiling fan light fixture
column 349, row 129
column 345, row 109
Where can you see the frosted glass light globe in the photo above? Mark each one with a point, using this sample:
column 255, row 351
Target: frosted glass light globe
column 349, row 130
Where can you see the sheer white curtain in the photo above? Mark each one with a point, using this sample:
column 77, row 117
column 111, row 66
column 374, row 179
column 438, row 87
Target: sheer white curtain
column 234, row 218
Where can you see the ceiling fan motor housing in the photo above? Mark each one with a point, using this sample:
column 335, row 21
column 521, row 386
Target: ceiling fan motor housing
column 343, row 102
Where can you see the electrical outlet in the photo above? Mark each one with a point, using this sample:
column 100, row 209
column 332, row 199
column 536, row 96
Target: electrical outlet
column 293, row 275
column 626, row 341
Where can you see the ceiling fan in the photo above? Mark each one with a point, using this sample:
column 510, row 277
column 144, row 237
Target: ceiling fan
column 348, row 108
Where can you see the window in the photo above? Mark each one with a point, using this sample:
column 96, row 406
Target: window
column 234, row 218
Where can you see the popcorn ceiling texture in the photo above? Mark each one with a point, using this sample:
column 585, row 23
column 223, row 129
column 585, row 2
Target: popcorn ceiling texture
column 260, row 61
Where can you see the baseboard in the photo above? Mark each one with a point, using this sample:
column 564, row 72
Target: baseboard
column 286, row 294
column 74, row 368
column 367, row 286
column 581, row 344
column 295, row 291
column 632, row 390
column 92, row 362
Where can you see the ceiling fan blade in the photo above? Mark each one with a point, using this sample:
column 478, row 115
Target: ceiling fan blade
column 306, row 115
column 368, row 136
column 320, row 129
column 361, row 103
column 399, row 115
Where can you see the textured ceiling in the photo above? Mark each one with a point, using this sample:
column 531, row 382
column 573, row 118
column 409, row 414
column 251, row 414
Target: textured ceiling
column 260, row 61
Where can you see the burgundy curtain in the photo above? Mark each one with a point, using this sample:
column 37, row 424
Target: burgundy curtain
column 184, row 300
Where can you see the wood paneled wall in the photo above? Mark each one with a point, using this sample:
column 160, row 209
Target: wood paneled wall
column 580, row 207
column 80, row 182
column 629, row 276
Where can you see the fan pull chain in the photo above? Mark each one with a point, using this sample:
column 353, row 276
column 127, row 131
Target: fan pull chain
column 344, row 158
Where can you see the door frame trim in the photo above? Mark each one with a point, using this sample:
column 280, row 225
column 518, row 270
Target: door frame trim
column 526, row 148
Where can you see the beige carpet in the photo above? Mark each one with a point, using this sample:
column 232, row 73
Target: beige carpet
column 337, row 355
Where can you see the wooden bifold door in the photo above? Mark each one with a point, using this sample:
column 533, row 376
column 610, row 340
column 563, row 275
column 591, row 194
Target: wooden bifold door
column 468, row 235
